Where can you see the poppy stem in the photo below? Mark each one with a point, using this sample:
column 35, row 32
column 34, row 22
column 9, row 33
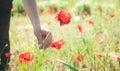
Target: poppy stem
column 119, row 66
column 29, row 67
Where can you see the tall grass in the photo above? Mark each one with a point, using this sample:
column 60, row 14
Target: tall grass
column 86, row 43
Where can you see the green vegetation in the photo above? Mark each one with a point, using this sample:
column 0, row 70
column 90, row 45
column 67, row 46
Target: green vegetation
column 99, row 43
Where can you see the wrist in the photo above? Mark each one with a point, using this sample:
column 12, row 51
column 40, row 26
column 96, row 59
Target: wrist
column 36, row 27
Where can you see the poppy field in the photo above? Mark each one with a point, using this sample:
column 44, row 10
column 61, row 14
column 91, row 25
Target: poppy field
column 86, row 36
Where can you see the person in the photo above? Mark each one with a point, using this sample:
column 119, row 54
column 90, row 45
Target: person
column 42, row 34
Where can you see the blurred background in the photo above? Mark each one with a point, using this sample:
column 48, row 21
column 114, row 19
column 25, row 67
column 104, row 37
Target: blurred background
column 92, row 38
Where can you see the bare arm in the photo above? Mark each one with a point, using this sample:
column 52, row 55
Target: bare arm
column 43, row 35
column 31, row 9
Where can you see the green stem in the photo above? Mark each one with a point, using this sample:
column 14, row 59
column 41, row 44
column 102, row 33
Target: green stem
column 3, row 49
column 29, row 69
column 119, row 66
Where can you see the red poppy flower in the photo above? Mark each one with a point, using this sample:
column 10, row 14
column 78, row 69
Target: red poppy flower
column 24, row 13
column 112, row 15
column 50, row 11
column 64, row 17
column 100, row 7
column 14, row 9
column 102, row 42
column 38, row 9
column 8, row 55
column 85, row 13
column 26, row 57
column 57, row 44
column 106, row 19
column 48, row 23
column 79, row 57
column 26, row 29
column 100, row 55
column 53, row 6
column 80, row 28
column 91, row 22
column 118, row 58
column 62, row 42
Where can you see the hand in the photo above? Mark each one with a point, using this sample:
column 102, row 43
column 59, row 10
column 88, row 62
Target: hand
column 44, row 37
column 38, row 34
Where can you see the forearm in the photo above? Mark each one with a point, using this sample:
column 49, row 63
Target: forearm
column 31, row 9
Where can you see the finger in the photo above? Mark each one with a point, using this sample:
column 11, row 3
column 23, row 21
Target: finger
column 47, row 40
column 40, row 42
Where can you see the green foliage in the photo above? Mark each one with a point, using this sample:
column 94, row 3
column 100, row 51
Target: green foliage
column 86, row 43
column 82, row 8
column 18, row 4
column 86, row 8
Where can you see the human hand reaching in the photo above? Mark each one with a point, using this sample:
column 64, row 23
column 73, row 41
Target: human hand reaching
column 44, row 37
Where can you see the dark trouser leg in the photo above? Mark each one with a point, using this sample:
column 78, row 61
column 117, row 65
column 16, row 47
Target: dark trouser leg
column 5, row 7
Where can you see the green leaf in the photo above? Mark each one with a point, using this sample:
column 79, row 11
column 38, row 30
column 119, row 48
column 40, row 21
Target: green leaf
column 68, row 65
column 53, row 68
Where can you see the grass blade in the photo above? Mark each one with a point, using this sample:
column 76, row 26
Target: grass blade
column 68, row 65
column 53, row 68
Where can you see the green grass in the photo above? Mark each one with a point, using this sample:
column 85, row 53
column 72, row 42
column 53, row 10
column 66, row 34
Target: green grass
column 85, row 43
